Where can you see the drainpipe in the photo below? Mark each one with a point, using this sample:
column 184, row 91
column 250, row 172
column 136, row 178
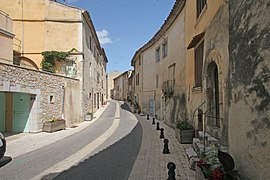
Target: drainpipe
column 92, row 96
column 63, row 102
column 22, row 30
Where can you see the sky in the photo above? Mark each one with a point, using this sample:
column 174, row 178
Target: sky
column 124, row 26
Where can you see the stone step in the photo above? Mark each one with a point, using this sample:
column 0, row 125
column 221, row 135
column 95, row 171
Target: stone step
column 191, row 153
column 194, row 141
column 209, row 139
column 192, row 158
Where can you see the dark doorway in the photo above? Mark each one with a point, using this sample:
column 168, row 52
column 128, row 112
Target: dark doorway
column 213, row 95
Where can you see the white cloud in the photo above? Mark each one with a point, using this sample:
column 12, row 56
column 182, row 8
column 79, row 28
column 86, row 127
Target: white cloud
column 103, row 37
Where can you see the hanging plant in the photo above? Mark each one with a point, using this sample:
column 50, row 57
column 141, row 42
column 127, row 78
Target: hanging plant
column 49, row 58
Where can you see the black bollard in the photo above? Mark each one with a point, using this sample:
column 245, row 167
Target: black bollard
column 157, row 126
column 166, row 147
column 171, row 174
column 153, row 122
column 147, row 116
column 161, row 133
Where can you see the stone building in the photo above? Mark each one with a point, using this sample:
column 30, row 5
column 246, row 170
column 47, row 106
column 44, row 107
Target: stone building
column 220, row 83
column 78, row 84
column 122, row 88
column 110, row 80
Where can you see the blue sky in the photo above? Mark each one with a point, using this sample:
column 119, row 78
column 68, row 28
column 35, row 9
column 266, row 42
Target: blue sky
column 123, row 26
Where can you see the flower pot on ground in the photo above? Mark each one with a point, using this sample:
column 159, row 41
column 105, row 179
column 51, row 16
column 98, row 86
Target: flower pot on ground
column 88, row 116
column 184, row 132
column 54, row 124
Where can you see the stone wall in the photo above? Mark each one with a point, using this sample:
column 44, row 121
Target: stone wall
column 52, row 94
column 249, row 126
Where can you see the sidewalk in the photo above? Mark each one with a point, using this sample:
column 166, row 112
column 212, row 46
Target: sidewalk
column 151, row 163
column 23, row 143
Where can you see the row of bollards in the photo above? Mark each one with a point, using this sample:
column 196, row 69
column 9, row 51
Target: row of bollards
column 171, row 166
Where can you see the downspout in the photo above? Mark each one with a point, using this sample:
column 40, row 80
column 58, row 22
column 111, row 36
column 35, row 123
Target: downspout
column 63, row 102
column 22, row 30
column 83, row 65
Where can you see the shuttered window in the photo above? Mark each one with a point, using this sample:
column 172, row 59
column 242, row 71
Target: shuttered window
column 198, row 64
column 200, row 6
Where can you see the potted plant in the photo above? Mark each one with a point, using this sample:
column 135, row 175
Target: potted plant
column 184, row 132
column 88, row 116
column 217, row 164
column 54, row 124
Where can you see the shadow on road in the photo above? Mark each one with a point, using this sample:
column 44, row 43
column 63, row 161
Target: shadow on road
column 114, row 162
column 125, row 106
column 5, row 160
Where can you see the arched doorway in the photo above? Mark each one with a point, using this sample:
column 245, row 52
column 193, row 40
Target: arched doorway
column 213, row 104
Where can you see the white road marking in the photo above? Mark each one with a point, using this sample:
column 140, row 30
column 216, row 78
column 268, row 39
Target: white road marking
column 74, row 159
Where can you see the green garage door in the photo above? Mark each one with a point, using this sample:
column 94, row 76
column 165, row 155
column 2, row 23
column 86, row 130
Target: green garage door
column 21, row 111
column 2, row 112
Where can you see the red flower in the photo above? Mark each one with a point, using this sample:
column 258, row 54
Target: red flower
column 200, row 163
column 217, row 174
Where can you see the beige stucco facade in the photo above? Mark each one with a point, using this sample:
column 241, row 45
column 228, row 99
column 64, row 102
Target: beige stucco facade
column 43, row 25
column 158, row 77
column 6, row 37
column 215, row 43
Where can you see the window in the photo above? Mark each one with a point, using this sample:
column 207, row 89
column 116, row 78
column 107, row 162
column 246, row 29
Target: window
column 95, row 101
column 198, row 64
column 164, row 49
column 69, row 69
column 90, row 70
column 98, row 77
column 158, row 54
column 51, row 99
column 172, row 75
column 200, row 6
column 130, row 81
column 16, row 61
column 139, row 61
column 157, row 81
column 137, row 79
column 90, row 43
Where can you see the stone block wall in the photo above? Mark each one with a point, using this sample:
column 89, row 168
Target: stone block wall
column 49, row 92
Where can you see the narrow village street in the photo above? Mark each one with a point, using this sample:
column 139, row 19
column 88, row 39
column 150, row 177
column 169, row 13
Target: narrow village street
column 118, row 145
column 138, row 90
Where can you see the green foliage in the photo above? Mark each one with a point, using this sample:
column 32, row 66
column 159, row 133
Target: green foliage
column 88, row 113
column 49, row 58
column 184, row 125
column 55, row 120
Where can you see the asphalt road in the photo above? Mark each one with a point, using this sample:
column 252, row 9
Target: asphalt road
column 113, row 159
